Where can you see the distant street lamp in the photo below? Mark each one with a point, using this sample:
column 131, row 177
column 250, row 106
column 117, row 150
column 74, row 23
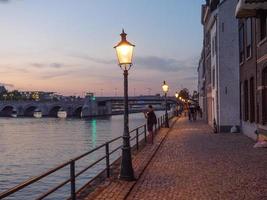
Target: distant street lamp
column 176, row 95
column 124, row 50
column 165, row 89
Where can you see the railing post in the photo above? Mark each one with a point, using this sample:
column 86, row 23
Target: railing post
column 72, row 180
column 158, row 124
column 107, row 159
column 152, row 135
column 145, row 133
column 136, row 137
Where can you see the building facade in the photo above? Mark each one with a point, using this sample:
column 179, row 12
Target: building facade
column 201, row 82
column 221, row 64
column 253, row 66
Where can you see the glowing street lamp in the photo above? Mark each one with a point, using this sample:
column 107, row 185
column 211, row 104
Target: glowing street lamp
column 176, row 95
column 165, row 89
column 124, row 50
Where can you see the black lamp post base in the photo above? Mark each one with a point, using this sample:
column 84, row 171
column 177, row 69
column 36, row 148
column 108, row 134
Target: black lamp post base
column 167, row 125
column 126, row 171
column 167, row 120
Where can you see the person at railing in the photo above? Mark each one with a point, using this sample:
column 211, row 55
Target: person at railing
column 151, row 121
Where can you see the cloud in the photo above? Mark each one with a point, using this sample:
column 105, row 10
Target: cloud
column 151, row 62
column 55, row 65
column 37, row 65
column 96, row 60
column 165, row 64
column 56, row 74
column 7, row 85
column 4, row 1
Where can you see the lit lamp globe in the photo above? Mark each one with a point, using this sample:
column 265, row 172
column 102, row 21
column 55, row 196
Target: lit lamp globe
column 176, row 95
column 124, row 50
column 165, row 87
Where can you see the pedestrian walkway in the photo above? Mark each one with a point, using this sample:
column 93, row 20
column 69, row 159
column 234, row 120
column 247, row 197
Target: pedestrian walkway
column 113, row 188
column 190, row 162
column 193, row 163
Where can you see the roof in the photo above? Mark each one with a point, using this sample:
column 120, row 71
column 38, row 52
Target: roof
column 255, row 1
column 250, row 8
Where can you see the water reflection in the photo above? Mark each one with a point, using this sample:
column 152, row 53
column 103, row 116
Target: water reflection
column 31, row 146
column 93, row 131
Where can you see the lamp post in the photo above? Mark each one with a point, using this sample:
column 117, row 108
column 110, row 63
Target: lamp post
column 124, row 50
column 177, row 96
column 165, row 89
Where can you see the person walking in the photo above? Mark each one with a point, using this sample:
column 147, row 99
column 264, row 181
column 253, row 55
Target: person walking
column 151, row 121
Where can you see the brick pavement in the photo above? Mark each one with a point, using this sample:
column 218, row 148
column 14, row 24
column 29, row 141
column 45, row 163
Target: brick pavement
column 192, row 163
column 115, row 189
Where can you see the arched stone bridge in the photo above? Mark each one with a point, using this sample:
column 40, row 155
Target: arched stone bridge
column 98, row 106
column 50, row 109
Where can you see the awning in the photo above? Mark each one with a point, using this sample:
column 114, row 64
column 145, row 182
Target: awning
column 249, row 8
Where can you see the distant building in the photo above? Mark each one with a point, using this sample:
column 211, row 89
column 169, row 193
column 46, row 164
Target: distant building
column 2, row 89
column 252, row 16
column 38, row 95
column 219, row 78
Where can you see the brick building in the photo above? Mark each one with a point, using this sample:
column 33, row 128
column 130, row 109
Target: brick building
column 252, row 26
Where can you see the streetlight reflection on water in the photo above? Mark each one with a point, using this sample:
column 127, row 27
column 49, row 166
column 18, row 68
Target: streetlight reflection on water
column 94, row 132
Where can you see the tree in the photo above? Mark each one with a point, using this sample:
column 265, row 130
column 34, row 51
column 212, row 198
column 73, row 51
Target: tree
column 184, row 93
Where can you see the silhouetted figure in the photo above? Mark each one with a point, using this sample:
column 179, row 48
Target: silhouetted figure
column 151, row 121
column 192, row 112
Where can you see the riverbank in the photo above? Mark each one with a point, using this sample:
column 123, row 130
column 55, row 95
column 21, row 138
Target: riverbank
column 32, row 146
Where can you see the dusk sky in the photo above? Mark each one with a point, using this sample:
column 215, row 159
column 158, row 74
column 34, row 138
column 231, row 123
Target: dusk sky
column 66, row 46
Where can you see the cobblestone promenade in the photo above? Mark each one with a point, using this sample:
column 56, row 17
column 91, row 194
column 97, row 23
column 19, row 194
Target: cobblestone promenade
column 195, row 164
column 192, row 163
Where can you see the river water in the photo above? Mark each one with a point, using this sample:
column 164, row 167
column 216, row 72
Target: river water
column 30, row 146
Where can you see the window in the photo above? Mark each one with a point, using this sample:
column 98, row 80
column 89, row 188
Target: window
column 264, row 96
column 249, row 37
column 213, row 77
column 207, row 38
column 241, row 43
column 263, row 26
column 214, row 45
column 252, row 100
column 240, row 98
column 245, row 100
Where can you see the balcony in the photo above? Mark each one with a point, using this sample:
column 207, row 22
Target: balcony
column 250, row 8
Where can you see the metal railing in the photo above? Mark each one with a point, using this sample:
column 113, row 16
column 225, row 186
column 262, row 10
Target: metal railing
column 71, row 163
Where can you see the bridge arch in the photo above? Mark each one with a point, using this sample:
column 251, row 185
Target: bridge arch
column 69, row 110
column 6, row 111
column 53, row 111
column 28, row 112
column 85, row 111
column 78, row 112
